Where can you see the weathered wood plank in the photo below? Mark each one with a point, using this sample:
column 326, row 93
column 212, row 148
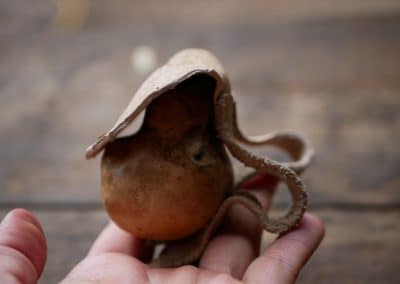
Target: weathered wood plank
column 360, row 247
column 328, row 69
column 334, row 78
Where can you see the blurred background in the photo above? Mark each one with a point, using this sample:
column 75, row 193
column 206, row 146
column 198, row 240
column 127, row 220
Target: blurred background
column 330, row 69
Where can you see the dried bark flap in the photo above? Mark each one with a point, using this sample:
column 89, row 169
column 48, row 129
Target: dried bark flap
column 181, row 66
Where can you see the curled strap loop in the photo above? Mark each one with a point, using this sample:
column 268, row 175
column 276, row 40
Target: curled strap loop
column 286, row 172
column 189, row 250
column 292, row 142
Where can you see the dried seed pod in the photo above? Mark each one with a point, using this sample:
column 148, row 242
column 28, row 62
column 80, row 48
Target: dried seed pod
column 172, row 180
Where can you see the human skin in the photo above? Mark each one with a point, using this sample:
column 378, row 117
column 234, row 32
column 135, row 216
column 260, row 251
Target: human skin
column 115, row 257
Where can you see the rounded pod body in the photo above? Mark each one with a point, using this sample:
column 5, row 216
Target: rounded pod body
column 167, row 181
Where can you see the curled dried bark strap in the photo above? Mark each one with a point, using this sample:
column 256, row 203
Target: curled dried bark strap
column 294, row 143
column 226, row 128
column 190, row 250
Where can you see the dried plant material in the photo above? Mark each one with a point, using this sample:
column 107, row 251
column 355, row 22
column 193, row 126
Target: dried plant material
column 172, row 181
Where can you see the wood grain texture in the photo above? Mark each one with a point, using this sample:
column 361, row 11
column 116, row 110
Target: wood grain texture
column 335, row 79
column 329, row 69
column 355, row 250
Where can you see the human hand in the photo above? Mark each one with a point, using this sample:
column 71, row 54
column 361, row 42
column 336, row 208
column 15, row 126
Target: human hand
column 115, row 257
column 23, row 248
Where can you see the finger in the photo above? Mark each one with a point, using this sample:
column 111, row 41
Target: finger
column 114, row 239
column 283, row 260
column 237, row 245
column 261, row 180
column 23, row 249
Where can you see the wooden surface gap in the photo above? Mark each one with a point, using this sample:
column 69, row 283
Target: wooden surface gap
column 95, row 206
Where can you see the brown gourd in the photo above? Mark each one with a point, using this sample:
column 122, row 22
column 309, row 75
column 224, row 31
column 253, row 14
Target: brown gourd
column 172, row 180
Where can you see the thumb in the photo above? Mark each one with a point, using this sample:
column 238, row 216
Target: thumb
column 23, row 248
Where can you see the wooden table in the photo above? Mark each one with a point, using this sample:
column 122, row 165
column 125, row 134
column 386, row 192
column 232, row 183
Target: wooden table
column 330, row 69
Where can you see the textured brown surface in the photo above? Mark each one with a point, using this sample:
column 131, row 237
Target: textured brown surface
column 328, row 69
column 167, row 181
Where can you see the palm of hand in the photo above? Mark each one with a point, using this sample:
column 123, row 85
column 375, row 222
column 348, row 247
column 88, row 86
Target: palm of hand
column 231, row 257
column 118, row 262
column 121, row 268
